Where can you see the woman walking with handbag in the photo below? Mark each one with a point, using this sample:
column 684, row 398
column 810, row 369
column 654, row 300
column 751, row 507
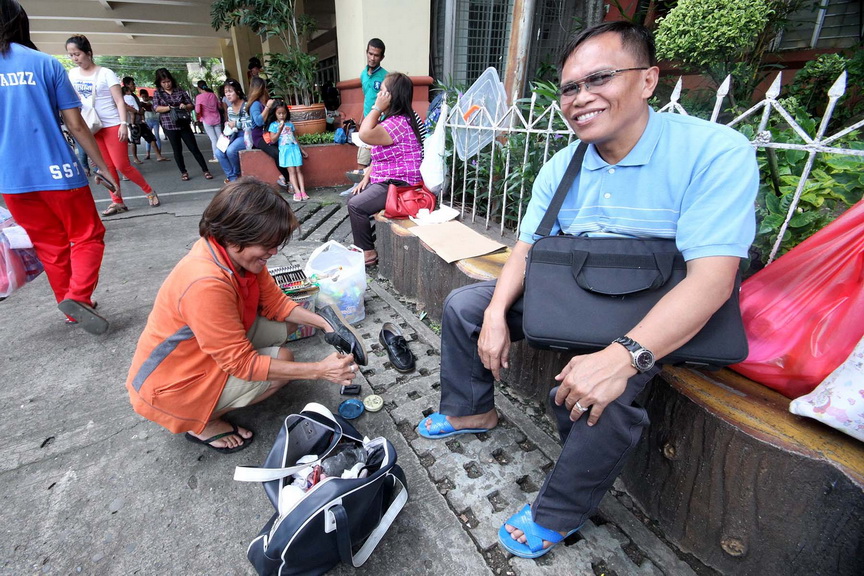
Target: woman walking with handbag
column 207, row 106
column 145, row 132
column 151, row 119
column 397, row 150
column 173, row 106
column 105, row 113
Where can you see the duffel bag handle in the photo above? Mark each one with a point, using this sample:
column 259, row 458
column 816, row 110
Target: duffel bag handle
column 251, row 474
column 337, row 518
column 648, row 271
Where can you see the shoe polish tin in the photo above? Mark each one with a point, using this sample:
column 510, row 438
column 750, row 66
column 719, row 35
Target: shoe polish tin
column 373, row 403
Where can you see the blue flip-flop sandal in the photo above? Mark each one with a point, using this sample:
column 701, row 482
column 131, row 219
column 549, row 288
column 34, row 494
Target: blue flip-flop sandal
column 534, row 535
column 441, row 428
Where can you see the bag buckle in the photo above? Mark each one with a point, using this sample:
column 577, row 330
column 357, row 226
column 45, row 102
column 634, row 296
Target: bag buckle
column 329, row 517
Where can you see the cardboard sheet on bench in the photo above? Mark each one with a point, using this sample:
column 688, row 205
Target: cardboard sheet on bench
column 454, row 241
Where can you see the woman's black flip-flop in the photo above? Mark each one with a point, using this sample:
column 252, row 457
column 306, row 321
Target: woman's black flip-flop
column 208, row 442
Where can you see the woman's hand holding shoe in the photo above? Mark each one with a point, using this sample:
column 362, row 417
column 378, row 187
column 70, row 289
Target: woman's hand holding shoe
column 338, row 368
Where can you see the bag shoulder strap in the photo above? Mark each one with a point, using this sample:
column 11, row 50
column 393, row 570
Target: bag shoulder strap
column 95, row 85
column 566, row 182
column 343, row 526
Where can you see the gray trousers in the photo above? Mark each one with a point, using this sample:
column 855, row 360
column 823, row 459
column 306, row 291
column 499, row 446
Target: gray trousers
column 591, row 457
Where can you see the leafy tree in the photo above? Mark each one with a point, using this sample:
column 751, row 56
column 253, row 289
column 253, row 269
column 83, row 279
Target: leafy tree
column 291, row 73
column 811, row 84
column 725, row 37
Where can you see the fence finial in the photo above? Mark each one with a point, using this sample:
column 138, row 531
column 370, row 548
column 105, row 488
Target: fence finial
column 839, row 87
column 676, row 93
column 722, row 92
column 774, row 91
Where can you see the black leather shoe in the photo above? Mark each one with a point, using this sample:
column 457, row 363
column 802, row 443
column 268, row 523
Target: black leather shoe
column 397, row 348
column 344, row 338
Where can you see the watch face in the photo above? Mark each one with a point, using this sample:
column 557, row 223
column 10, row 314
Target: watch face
column 644, row 360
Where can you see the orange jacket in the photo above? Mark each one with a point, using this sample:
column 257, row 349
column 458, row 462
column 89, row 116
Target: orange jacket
column 195, row 338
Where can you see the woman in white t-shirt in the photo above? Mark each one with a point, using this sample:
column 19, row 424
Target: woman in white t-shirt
column 101, row 87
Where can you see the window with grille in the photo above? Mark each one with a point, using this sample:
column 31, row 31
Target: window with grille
column 832, row 24
column 482, row 33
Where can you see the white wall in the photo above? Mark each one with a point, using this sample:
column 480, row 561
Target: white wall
column 403, row 25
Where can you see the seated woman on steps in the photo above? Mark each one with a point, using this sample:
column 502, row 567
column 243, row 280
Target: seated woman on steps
column 397, row 150
column 215, row 339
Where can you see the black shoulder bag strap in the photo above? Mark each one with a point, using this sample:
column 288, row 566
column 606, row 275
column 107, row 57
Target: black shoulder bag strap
column 558, row 199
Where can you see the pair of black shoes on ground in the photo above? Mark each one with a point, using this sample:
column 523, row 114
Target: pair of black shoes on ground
column 347, row 341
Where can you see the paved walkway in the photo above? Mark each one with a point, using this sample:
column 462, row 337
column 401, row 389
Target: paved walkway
column 88, row 487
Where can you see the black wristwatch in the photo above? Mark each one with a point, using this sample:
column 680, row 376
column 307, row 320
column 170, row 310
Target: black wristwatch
column 640, row 358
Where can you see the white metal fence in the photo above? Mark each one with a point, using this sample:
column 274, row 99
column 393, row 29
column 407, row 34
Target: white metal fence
column 548, row 130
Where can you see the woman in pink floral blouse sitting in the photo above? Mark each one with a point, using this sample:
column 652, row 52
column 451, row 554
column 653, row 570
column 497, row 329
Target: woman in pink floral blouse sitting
column 397, row 150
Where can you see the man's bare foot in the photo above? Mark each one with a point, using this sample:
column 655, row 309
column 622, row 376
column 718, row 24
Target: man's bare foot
column 487, row 420
column 216, row 427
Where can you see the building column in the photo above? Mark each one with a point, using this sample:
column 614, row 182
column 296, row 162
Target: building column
column 246, row 44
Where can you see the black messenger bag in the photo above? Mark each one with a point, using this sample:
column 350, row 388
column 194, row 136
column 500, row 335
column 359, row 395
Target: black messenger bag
column 582, row 293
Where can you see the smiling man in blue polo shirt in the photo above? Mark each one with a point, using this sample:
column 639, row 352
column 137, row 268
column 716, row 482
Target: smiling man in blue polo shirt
column 644, row 175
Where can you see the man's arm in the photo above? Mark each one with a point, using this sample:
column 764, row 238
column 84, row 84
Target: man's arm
column 597, row 379
column 78, row 128
column 494, row 342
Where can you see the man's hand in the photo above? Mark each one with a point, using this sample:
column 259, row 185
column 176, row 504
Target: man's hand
column 493, row 345
column 593, row 381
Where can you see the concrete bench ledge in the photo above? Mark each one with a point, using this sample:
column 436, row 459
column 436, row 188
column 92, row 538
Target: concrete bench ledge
column 417, row 272
column 726, row 472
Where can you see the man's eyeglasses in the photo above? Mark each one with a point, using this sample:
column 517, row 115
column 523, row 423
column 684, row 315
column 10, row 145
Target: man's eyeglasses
column 592, row 81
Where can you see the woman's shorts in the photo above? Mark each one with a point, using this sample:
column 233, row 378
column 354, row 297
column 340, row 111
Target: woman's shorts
column 267, row 336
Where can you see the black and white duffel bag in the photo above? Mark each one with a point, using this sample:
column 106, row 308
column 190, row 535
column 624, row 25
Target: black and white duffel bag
column 322, row 519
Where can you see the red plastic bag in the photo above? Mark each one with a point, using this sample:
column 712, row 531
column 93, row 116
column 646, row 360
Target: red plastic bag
column 804, row 313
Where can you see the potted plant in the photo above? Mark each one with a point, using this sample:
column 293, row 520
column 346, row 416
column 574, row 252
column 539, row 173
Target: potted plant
column 292, row 73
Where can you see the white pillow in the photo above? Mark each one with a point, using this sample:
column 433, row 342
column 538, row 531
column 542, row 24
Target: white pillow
column 839, row 400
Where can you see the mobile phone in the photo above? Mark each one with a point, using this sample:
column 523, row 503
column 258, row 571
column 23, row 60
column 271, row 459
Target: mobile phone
column 350, row 390
column 105, row 183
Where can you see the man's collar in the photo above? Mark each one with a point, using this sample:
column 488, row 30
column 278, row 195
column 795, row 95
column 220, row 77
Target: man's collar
column 641, row 152
column 371, row 71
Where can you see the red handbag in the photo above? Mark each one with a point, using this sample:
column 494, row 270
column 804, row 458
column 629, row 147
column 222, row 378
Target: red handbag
column 405, row 201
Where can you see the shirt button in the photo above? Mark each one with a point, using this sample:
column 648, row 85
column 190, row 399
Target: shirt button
column 611, row 170
column 607, row 195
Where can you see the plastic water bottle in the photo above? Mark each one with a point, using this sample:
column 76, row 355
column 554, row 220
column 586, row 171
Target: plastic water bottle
column 342, row 458
column 247, row 138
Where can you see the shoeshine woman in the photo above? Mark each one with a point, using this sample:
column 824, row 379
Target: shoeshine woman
column 216, row 338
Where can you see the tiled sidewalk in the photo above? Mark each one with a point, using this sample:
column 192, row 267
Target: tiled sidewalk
column 89, row 487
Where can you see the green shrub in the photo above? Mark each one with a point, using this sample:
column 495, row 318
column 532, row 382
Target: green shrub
column 322, row 138
column 812, row 82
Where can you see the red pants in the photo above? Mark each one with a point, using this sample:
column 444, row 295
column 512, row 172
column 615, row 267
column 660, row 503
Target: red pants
column 67, row 234
column 116, row 156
